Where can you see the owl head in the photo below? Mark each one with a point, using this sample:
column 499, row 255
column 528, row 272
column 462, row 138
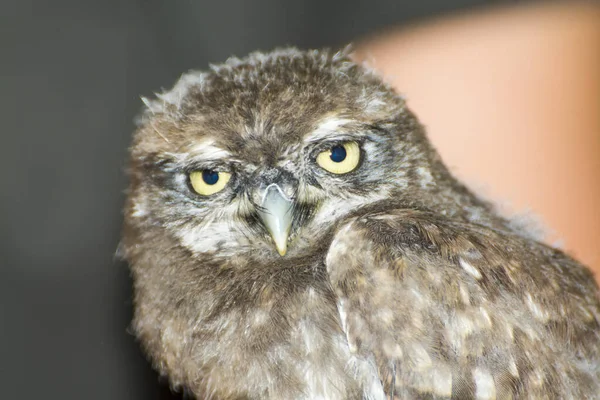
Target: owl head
column 262, row 156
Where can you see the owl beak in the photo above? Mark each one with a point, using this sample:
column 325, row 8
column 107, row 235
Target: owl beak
column 276, row 214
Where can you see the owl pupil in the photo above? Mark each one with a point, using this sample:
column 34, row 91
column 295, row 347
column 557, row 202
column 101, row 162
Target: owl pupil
column 338, row 154
column 210, row 177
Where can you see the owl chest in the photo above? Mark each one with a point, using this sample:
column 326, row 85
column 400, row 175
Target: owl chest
column 304, row 355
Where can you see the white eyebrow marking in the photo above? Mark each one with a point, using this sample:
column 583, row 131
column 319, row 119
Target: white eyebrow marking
column 203, row 151
column 207, row 150
column 326, row 128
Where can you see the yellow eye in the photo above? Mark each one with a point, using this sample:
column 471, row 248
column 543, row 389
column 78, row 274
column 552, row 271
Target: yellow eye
column 340, row 159
column 207, row 181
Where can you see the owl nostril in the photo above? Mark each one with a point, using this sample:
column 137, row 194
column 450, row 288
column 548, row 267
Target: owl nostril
column 272, row 189
column 270, row 177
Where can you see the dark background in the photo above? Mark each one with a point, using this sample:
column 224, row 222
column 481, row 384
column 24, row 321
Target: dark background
column 71, row 72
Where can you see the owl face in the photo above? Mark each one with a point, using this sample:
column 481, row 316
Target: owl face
column 263, row 156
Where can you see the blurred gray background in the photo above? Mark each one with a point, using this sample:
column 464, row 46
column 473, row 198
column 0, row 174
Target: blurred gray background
column 71, row 72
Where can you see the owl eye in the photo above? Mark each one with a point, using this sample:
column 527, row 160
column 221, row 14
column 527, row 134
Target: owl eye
column 340, row 159
column 208, row 181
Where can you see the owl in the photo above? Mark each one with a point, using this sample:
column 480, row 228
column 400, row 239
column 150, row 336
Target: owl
column 293, row 234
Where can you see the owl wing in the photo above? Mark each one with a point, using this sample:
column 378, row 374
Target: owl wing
column 447, row 309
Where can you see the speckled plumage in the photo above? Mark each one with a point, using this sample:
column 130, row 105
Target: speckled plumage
column 397, row 281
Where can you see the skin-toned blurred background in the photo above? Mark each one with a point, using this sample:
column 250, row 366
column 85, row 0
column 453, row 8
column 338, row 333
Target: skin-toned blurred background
column 511, row 99
column 509, row 91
